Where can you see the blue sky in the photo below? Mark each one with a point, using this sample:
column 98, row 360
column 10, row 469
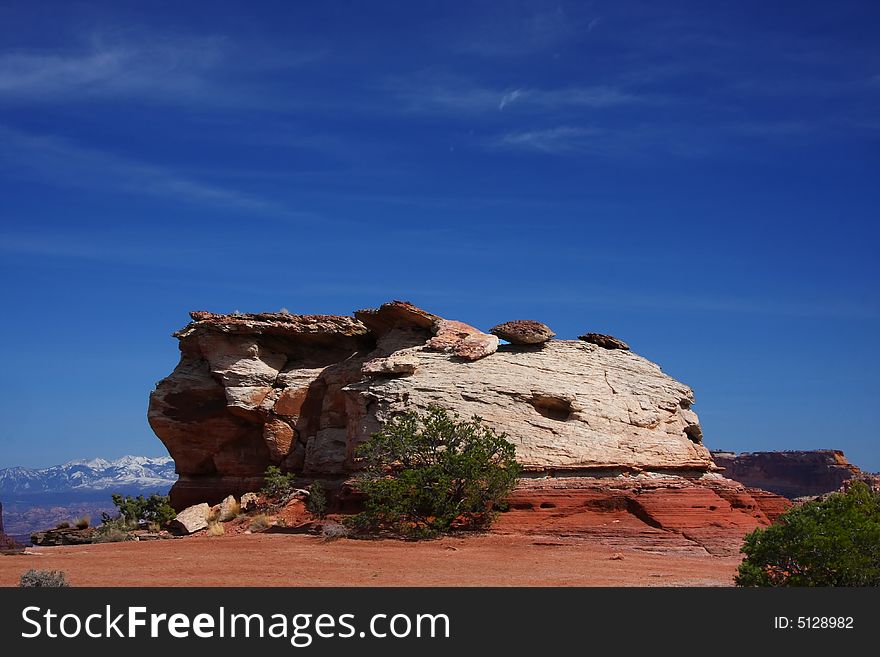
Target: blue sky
column 699, row 179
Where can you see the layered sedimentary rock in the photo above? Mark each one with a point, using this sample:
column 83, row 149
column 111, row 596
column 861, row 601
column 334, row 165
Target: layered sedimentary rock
column 649, row 511
column 791, row 474
column 303, row 391
column 6, row 542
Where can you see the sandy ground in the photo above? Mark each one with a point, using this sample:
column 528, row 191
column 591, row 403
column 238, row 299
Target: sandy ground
column 302, row 560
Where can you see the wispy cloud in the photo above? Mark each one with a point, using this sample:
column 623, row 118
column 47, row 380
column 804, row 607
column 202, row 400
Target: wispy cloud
column 559, row 140
column 158, row 69
column 101, row 249
column 61, row 162
column 508, row 98
column 456, row 95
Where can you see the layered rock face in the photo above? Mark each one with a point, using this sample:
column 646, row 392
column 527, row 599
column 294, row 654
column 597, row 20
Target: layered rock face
column 791, row 474
column 303, row 391
column 649, row 511
column 6, row 542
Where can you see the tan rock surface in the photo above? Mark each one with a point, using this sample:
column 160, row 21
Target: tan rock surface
column 192, row 519
column 570, row 405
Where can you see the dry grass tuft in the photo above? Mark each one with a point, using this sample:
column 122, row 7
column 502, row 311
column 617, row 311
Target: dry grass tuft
column 232, row 512
column 260, row 522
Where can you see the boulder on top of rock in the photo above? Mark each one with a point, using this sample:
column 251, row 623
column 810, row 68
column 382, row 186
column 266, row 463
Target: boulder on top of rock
column 604, row 341
column 395, row 314
column 476, row 346
column 398, row 364
column 462, row 340
column 523, row 331
column 191, row 519
column 448, row 333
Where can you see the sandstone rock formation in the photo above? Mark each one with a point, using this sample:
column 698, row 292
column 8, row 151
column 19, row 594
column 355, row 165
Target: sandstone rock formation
column 303, row 391
column 791, row 474
column 653, row 512
column 523, row 331
column 63, row 536
column 604, row 341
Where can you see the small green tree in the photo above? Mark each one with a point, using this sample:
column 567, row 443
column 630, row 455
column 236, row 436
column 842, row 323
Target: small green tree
column 154, row 509
column 316, row 504
column 427, row 475
column 277, row 485
column 833, row 542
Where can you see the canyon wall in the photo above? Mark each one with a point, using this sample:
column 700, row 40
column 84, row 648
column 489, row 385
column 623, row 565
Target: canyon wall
column 791, row 474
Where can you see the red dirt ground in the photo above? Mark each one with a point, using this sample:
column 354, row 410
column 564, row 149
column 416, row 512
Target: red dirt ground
column 303, row 560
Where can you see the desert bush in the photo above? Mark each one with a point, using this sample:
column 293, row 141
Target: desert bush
column 155, row 508
column 277, row 485
column 332, row 531
column 427, row 475
column 82, row 523
column 216, row 529
column 109, row 535
column 112, row 530
column 43, row 578
column 260, row 522
column 316, row 504
column 63, row 525
column 832, row 542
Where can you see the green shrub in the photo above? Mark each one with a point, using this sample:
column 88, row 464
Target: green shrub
column 834, row 542
column 43, row 578
column 112, row 530
column 316, row 504
column 277, row 485
column 110, row 535
column 427, row 475
column 155, row 508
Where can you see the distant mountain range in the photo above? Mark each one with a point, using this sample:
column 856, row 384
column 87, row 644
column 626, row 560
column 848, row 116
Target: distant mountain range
column 39, row 498
column 95, row 475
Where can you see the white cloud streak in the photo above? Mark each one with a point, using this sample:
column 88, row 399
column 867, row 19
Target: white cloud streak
column 60, row 162
column 558, row 140
column 159, row 69
column 459, row 96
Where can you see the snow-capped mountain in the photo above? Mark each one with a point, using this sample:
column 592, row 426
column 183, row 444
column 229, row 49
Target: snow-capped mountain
column 126, row 473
